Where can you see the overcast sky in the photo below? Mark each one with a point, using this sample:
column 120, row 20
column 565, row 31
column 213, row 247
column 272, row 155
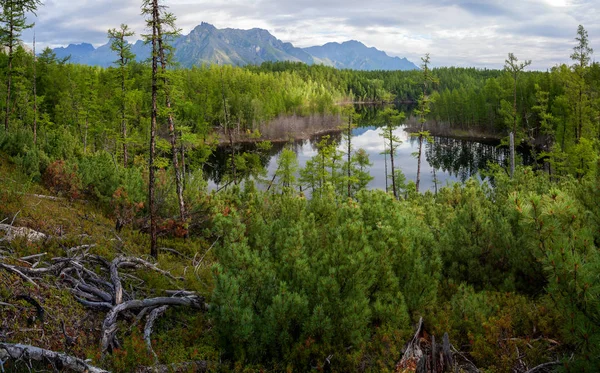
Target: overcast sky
column 476, row 33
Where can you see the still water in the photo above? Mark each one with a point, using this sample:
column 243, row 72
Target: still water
column 446, row 160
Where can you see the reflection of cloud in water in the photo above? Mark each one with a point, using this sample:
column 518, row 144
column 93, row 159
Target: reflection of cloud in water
column 455, row 160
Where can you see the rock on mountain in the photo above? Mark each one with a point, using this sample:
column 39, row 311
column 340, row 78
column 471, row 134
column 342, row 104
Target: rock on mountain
column 206, row 44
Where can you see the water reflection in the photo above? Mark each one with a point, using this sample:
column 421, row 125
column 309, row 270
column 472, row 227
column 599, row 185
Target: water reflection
column 446, row 159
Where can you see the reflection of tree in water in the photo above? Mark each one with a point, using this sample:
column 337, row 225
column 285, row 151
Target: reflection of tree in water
column 217, row 167
column 462, row 158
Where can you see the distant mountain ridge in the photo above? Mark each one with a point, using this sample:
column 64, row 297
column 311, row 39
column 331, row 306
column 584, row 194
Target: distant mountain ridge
column 206, row 44
column 355, row 55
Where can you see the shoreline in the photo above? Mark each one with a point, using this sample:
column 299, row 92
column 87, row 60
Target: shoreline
column 438, row 129
column 284, row 129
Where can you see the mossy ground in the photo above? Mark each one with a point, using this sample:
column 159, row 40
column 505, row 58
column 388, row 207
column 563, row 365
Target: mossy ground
column 179, row 335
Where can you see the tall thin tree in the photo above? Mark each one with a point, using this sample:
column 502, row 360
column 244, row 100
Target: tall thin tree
column 166, row 33
column 151, row 9
column 581, row 56
column 422, row 111
column 35, row 113
column 12, row 24
column 391, row 119
column 119, row 44
column 513, row 66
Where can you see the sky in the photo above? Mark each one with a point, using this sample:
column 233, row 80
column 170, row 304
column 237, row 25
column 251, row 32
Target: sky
column 477, row 33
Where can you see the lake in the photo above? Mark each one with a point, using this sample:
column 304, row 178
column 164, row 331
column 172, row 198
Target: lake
column 452, row 160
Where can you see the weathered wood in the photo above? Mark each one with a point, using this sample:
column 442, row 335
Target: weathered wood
column 154, row 315
column 544, row 367
column 109, row 326
column 16, row 270
column 13, row 233
column 27, row 353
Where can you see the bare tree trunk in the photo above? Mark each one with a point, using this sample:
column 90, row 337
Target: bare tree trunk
column 183, row 170
column 386, row 168
column 34, row 94
column 151, row 176
column 9, row 78
column 349, row 152
column 512, row 154
column 228, row 129
column 392, row 164
column 123, row 121
column 419, row 159
column 171, row 124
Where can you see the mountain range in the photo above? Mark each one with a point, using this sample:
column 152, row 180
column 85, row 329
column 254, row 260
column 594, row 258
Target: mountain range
column 206, row 44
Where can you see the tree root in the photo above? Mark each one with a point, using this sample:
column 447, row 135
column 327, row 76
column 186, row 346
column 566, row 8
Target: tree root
column 109, row 327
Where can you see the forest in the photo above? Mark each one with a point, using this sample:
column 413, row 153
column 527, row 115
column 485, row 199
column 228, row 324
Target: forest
column 116, row 256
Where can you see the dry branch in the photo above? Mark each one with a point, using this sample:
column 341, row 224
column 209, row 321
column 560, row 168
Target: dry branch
column 16, row 270
column 422, row 354
column 154, row 315
column 109, row 326
column 546, row 367
column 26, row 352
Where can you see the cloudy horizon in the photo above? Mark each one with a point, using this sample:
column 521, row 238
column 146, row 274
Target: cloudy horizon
column 475, row 33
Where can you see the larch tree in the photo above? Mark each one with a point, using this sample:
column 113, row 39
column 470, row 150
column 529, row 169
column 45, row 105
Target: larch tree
column 391, row 119
column 12, row 24
column 581, row 56
column 513, row 67
column 152, row 10
column 423, row 109
column 119, row 44
column 166, row 33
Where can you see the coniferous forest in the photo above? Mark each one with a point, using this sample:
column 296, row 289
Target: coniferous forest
column 115, row 255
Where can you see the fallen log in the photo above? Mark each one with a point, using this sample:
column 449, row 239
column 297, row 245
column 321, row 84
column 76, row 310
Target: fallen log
column 26, row 353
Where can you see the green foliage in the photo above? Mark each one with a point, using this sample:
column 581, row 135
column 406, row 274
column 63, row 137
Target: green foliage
column 287, row 167
column 99, row 175
column 300, row 280
column 560, row 239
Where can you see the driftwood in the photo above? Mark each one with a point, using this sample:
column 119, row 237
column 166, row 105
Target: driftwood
column 98, row 290
column 12, row 233
column 26, row 353
column 109, row 326
column 154, row 315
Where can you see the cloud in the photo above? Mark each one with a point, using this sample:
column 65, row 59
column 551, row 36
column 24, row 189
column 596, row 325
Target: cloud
column 455, row 32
